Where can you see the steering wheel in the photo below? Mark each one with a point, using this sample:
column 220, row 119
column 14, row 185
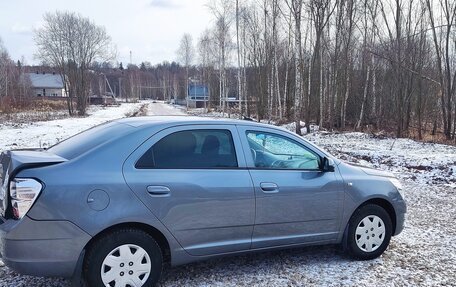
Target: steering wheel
column 302, row 164
column 277, row 163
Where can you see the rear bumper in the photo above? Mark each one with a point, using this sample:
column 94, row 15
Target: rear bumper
column 41, row 248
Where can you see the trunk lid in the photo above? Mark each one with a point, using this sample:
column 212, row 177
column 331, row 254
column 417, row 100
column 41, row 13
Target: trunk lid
column 11, row 162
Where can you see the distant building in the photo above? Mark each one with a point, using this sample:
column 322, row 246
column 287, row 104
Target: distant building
column 197, row 95
column 47, row 85
column 198, row 92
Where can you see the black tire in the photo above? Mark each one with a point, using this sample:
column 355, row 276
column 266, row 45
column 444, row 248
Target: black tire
column 98, row 251
column 350, row 237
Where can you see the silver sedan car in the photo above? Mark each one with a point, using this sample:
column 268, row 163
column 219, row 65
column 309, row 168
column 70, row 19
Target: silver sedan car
column 113, row 203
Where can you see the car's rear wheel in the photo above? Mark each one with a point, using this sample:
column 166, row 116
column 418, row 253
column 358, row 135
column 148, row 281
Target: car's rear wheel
column 369, row 232
column 125, row 258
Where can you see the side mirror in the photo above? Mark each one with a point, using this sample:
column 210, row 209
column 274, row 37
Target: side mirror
column 328, row 164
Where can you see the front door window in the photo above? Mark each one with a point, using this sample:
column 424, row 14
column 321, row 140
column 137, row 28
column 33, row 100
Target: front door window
column 272, row 151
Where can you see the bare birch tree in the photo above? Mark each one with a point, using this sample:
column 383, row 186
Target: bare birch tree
column 205, row 51
column 223, row 13
column 71, row 43
column 444, row 50
column 5, row 63
column 295, row 7
column 186, row 54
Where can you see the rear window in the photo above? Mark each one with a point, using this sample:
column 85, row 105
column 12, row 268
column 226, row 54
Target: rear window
column 191, row 149
column 89, row 139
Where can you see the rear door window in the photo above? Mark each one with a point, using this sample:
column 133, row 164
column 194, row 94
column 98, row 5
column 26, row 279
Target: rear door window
column 191, row 149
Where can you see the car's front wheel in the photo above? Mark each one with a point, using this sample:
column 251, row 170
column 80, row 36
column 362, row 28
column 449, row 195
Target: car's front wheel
column 126, row 257
column 369, row 232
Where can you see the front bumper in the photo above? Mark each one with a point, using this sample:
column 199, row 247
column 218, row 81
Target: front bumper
column 41, row 248
column 400, row 209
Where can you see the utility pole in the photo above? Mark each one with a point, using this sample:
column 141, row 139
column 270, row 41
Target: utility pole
column 140, row 89
column 6, row 83
column 120, row 88
column 109, row 86
column 187, row 94
column 238, row 60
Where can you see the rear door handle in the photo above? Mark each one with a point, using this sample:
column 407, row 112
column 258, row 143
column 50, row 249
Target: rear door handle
column 158, row 190
column 269, row 187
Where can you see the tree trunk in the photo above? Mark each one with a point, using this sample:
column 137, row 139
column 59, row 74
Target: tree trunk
column 240, row 96
column 343, row 109
column 187, row 98
column 363, row 103
column 279, row 101
column 298, row 66
column 321, row 92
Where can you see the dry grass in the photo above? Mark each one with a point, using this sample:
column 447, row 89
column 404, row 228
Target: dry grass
column 428, row 137
column 10, row 106
column 138, row 113
column 33, row 110
column 49, row 105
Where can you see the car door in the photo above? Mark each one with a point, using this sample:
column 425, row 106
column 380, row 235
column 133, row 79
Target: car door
column 296, row 202
column 194, row 179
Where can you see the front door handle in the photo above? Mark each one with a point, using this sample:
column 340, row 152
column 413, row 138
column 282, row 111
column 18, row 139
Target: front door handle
column 158, row 190
column 269, row 187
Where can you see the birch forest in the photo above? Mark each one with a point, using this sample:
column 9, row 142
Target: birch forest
column 346, row 64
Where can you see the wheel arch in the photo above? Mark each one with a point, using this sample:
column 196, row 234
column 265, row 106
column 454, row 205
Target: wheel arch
column 386, row 205
column 152, row 231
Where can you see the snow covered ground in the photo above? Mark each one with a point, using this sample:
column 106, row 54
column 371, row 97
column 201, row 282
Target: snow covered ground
column 422, row 255
column 425, row 163
column 47, row 133
column 43, row 134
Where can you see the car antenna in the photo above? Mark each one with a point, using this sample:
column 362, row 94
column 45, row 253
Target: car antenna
column 247, row 118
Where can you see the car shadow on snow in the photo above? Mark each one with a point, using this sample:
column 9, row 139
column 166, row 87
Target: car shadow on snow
column 233, row 270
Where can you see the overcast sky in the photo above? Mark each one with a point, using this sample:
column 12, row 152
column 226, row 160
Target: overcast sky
column 151, row 29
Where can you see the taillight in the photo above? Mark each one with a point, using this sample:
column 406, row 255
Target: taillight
column 23, row 193
column 4, row 193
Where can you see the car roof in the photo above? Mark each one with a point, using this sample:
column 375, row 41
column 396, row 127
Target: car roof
column 170, row 121
column 187, row 120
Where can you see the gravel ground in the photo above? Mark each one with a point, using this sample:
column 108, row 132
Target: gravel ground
column 422, row 255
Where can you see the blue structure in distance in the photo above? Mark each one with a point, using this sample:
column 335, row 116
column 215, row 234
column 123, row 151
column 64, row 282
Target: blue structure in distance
column 198, row 92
